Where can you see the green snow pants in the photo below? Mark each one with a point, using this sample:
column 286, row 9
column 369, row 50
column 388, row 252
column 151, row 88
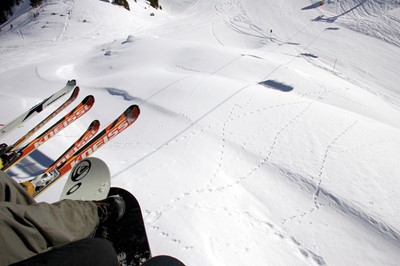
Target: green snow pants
column 28, row 228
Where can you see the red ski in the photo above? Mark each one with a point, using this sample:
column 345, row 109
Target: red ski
column 41, row 182
column 8, row 160
column 79, row 143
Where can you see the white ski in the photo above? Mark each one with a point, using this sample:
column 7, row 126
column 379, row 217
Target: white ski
column 9, row 127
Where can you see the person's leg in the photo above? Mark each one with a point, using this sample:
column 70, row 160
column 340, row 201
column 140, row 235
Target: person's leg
column 11, row 191
column 28, row 228
column 90, row 251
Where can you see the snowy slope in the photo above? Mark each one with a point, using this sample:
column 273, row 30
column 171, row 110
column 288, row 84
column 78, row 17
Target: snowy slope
column 377, row 18
column 269, row 132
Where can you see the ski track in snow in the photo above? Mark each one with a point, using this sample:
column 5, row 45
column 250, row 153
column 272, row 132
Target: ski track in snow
column 371, row 17
column 67, row 19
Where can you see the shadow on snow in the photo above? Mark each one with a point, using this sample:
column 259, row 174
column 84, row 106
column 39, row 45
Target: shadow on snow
column 276, row 85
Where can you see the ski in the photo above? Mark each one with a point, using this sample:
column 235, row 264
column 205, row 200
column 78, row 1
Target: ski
column 42, row 182
column 4, row 148
column 36, row 109
column 79, row 143
column 8, row 160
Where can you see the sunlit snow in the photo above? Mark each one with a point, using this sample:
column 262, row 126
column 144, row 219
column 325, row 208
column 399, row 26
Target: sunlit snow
column 269, row 131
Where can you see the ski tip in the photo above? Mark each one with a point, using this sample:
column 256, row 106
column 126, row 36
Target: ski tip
column 94, row 126
column 75, row 93
column 89, row 100
column 95, row 123
column 132, row 112
column 71, row 82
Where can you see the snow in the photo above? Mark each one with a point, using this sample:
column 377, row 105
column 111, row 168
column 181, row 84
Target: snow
column 269, row 130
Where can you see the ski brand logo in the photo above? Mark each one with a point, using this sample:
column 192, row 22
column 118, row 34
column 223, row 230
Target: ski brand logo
column 74, row 116
column 101, row 141
column 71, row 152
column 78, row 173
column 81, row 170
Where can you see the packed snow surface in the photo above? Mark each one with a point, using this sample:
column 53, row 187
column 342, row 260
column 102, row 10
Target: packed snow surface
column 269, row 131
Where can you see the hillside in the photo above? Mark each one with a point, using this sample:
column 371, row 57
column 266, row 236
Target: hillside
column 269, row 130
